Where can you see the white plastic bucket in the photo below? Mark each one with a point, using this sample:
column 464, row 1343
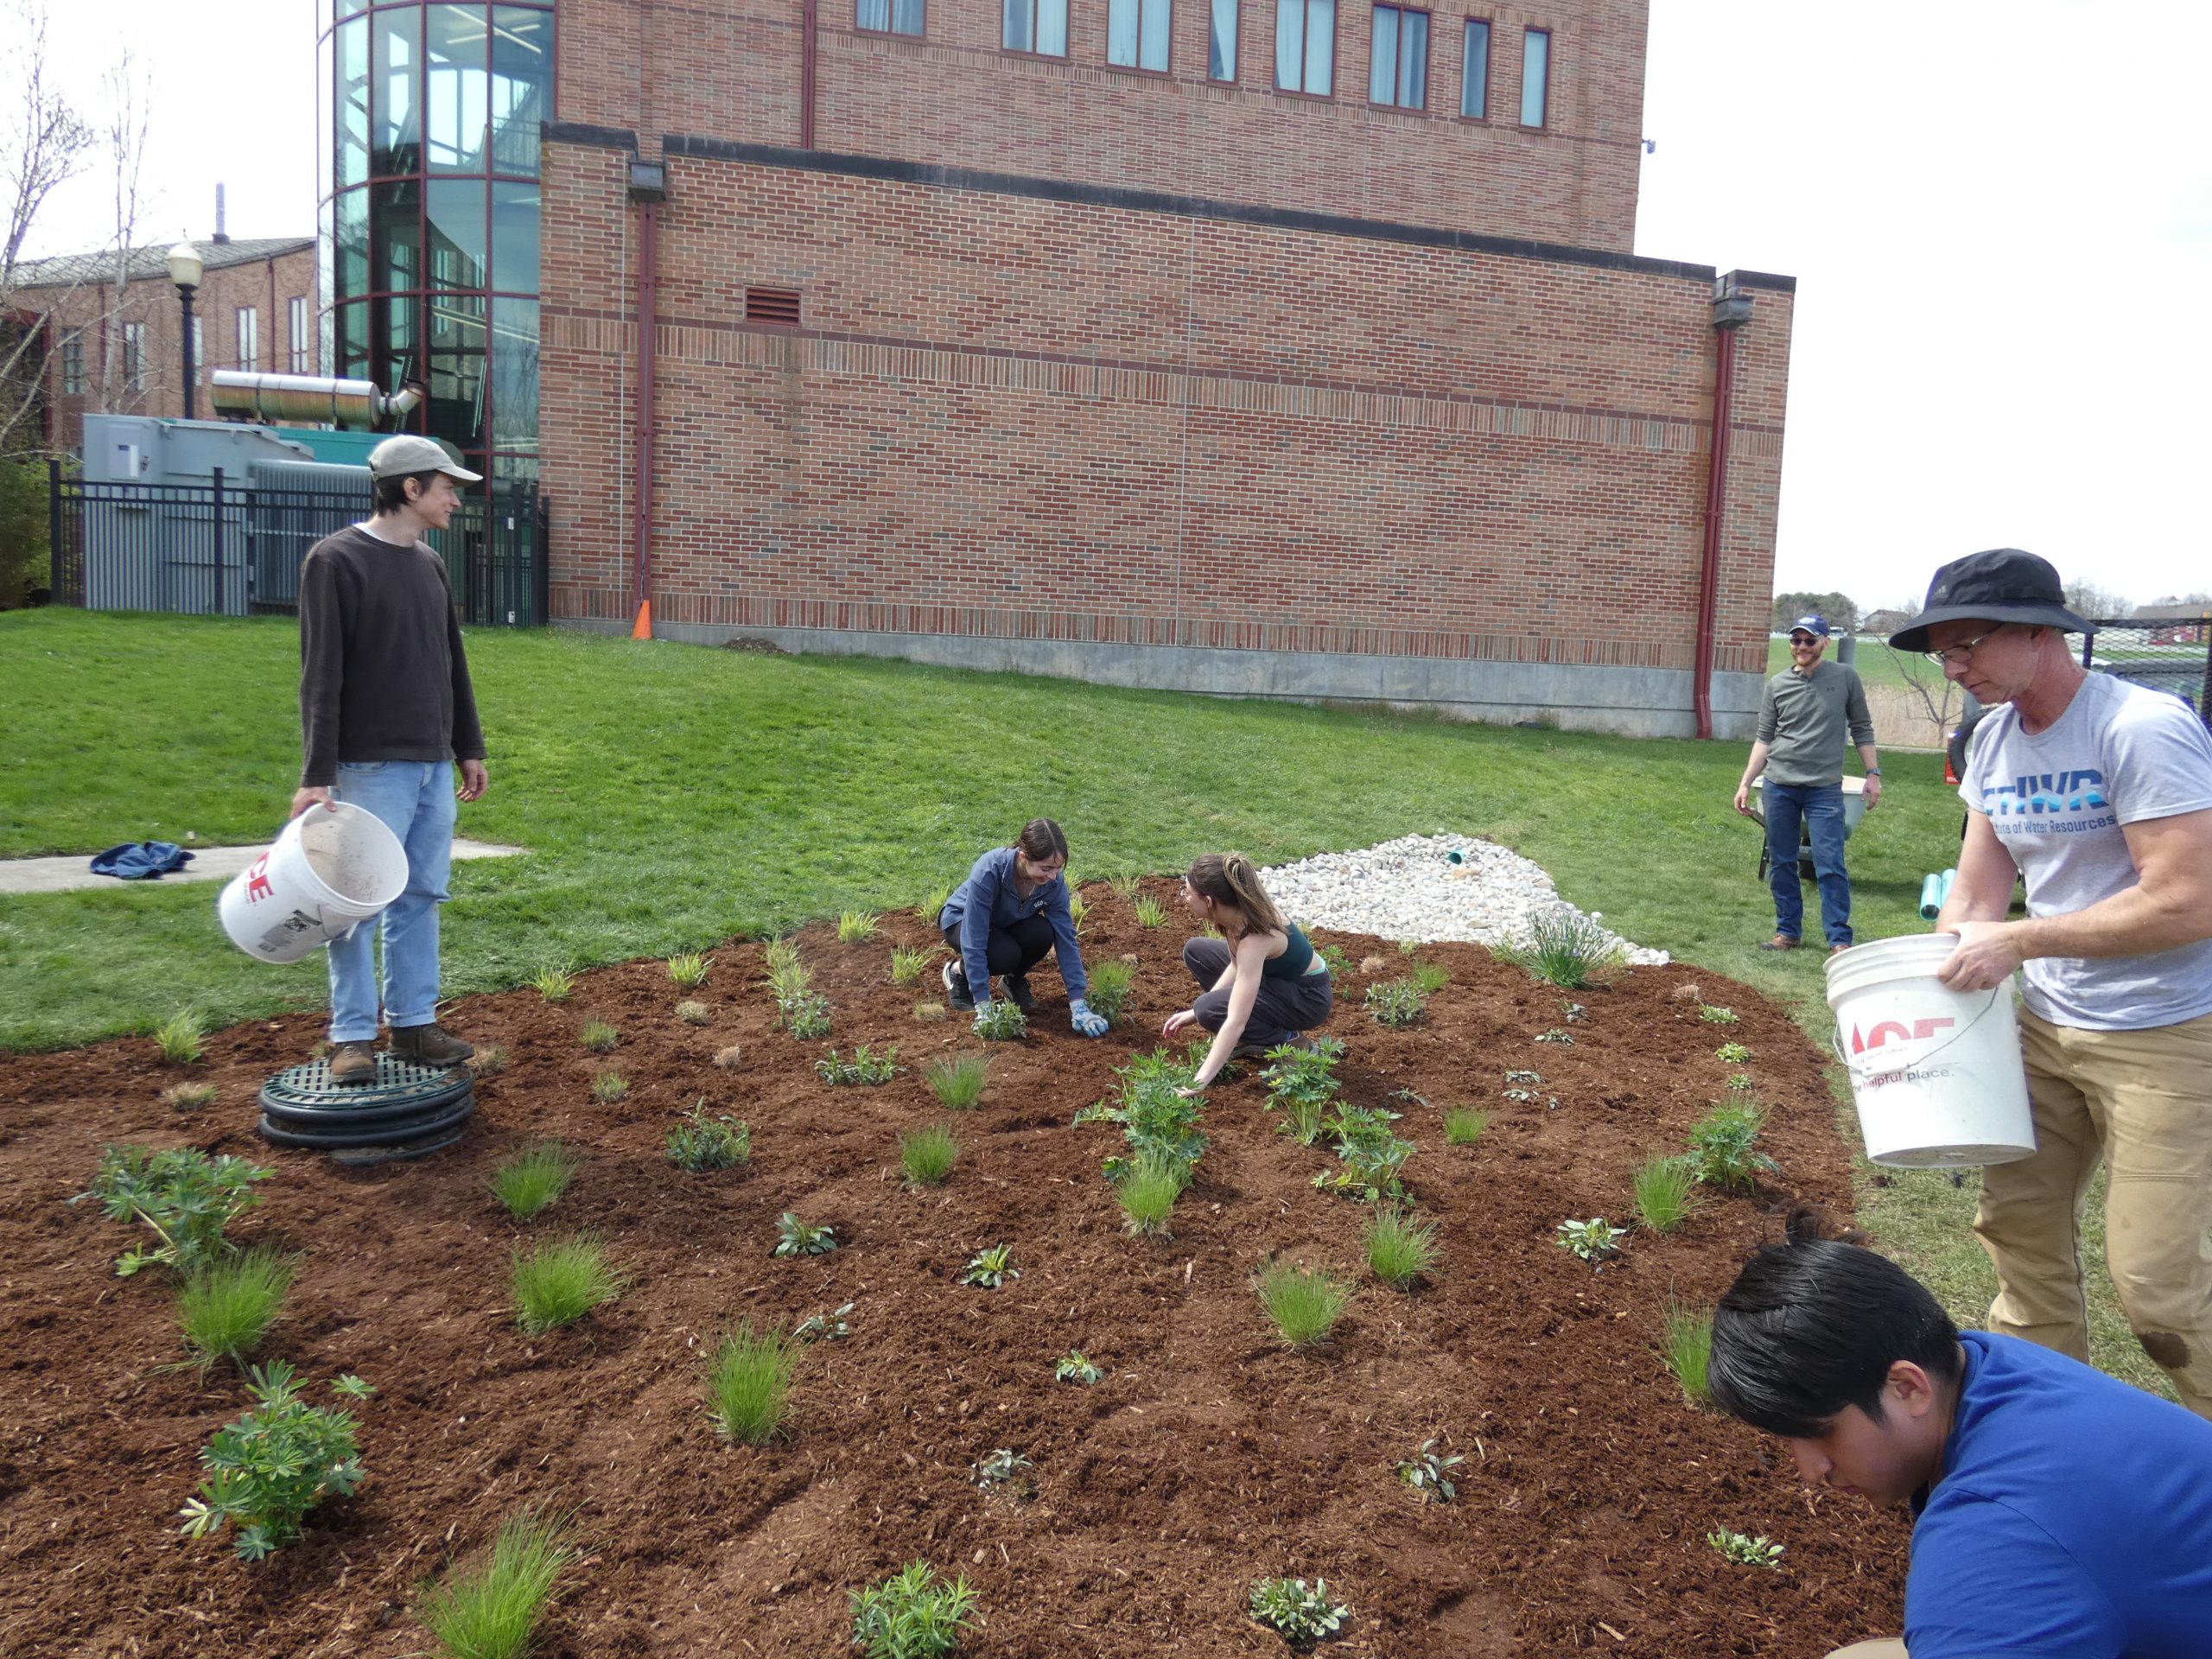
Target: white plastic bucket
column 1854, row 803
column 332, row 868
column 1935, row 1073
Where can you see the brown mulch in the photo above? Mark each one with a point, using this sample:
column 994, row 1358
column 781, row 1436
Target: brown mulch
column 1207, row 1457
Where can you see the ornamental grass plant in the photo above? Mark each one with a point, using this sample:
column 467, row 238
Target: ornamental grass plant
column 557, row 1282
column 226, row 1306
column 533, row 1180
column 1305, row 1304
column 491, row 1608
column 748, row 1383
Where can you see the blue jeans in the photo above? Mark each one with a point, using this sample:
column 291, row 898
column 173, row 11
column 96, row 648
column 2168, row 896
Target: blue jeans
column 415, row 800
column 1819, row 808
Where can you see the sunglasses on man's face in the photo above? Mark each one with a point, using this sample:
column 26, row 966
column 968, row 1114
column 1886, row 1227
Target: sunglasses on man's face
column 1803, row 639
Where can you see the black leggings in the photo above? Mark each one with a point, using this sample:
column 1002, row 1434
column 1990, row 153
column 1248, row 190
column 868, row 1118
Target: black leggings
column 1282, row 1009
column 1013, row 949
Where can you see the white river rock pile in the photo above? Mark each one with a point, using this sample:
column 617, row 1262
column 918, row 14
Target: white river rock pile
column 1409, row 888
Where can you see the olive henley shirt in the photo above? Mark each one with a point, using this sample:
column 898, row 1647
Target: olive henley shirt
column 382, row 673
column 1803, row 719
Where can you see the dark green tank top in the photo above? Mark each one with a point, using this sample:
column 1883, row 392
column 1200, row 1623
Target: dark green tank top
column 1297, row 956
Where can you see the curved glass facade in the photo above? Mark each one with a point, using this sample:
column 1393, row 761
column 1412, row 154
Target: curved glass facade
column 431, row 211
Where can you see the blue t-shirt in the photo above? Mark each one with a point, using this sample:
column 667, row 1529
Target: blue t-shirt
column 2073, row 1519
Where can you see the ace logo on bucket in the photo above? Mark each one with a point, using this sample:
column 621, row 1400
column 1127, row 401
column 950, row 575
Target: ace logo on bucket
column 257, row 880
column 1897, row 1031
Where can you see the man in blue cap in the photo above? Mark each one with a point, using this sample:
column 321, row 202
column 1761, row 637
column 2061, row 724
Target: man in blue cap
column 1804, row 717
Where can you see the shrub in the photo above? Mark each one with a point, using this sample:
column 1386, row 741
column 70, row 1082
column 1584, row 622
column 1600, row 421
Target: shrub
column 1304, row 1305
column 1303, row 1081
column 695, row 1013
column 179, row 1038
column 1429, row 977
column 866, row 1068
column 609, row 1087
column 559, row 1281
column 1661, row 1189
column 702, row 1144
column 491, row 1609
column 908, row 963
column 1150, row 912
column 1000, row 1021
column 276, row 1462
column 1745, row 1552
column 748, row 1381
column 928, row 1154
column 183, row 1195
column 534, row 1178
column 1396, row 1003
column 988, row 1269
column 490, row 1060
column 856, row 927
column 797, row 1238
column 1296, row 1613
column 1565, row 947
column 687, row 971
column 1716, row 1016
column 1109, row 991
column 1398, row 1249
column 1430, row 1474
column 1372, row 1154
column 957, row 1080
column 1686, row 1343
column 1156, row 1117
column 1147, row 1191
column 554, row 984
column 1464, row 1125
column 190, row 1096
column 1075, row 1368
column 227, row 1305
column 1593, row 1240
column 1724, row 1147
column 914, row 1614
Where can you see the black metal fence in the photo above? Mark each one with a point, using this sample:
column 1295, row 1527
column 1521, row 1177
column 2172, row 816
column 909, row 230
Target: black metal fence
column 215, row 550
column 2166, row 655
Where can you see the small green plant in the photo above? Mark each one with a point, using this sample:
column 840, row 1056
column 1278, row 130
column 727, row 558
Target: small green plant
column 909, row 963
column 533, row 1178
column 1745, row 1552
column 1400, row 1249
column 1724, row 1147
column 1109, row 991
column 687, row 971
column 1593, row 1240
column 184, row 1196
column 856, row 927
column 599, row 1037
column 1000, row 1021
column 1004, row 1466
column 1575, row 1013
column 1661, row 1189
column 1074, row 1368
column 1429, row 1474
column 1303, row 1081
column 957, row 1080
column 703, row 1143
column 1716, row 1016
column 988, row 1269
column 806, row 1016
column 1535, row 1079
column 559, row 1282
column 933, row 904
column 554, row 984
column 227, row 1305
column 1740, row 1082
column 914, row 1614
column 1155, row 1116
column 1429, row 977
column 1557, row 1034
column 276, row 1462
column 1305, row 1305
column 695, row 1013
column 1732, row 1054
column 190, row 1096
column 1686, row 1343
column 928, row 1154
column 866, row 1067
column 180, row 1037
column 1396, row 1003
column 929, row 1010
column 491, row 1060
column 1295, row 1612
column 609, row 1087
column 1340, row 963
column 1373, row 1156
column 779, row 954
column 1464, row 1125
column 1150, row 912
column 797, row 1238
column 748, row 1383
column 1078, row 910
column 1407, row 947
column 490, row 1609
column 1565, row 947
column 824, row 1327
column 1125, row 887
column 1147, row 1191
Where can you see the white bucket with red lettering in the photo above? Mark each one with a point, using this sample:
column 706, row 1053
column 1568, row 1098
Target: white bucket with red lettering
column 332, row 869
column 1935, row 1073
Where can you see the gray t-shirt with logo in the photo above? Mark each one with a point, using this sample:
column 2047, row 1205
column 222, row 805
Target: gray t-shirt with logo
column 2119, row 754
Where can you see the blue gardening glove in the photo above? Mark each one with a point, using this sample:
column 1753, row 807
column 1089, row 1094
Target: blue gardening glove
column 982, row 1008
column 1086, row 1023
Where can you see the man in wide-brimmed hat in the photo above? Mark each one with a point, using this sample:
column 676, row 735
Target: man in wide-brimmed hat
column 2099, row 793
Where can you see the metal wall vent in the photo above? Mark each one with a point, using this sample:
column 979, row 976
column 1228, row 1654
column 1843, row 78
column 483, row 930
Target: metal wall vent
column 772, row 305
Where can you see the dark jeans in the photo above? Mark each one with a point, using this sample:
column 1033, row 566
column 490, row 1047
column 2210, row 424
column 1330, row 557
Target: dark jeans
column 1819, row 807
column 1014, row 949
column 1283, row 1008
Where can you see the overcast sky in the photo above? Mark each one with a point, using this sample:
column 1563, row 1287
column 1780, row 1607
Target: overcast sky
column 1999, row 215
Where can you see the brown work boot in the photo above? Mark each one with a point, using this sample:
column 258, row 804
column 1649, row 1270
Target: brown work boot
column 430, row 1045
column 352, row 1063
column 1780, row 942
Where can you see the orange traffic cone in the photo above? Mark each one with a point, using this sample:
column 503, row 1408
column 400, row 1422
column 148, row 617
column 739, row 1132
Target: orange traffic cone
column 644, row 627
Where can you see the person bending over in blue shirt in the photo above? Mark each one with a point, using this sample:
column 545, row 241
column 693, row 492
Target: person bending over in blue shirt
column 2059, row 1512
column 1010, row 914
column 1264, row 984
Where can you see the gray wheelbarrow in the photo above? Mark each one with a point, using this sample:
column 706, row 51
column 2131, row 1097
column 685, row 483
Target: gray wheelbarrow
column 1854, row 808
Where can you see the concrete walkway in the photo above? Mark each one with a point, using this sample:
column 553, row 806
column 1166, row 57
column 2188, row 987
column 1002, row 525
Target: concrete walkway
column 208, row 864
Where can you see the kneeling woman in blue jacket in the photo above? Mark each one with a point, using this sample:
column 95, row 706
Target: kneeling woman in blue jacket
column 1010, row 914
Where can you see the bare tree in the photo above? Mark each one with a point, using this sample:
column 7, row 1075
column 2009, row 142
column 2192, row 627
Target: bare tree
column 43, row 144
column 129, row 95
column 2095, row 604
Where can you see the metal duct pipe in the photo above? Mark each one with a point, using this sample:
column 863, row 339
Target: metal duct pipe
column 359, row 404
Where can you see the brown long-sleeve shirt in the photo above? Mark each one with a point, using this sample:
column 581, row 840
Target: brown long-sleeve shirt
column 382, row 673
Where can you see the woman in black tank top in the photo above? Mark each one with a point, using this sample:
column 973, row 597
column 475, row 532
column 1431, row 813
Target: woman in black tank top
column 1263, row 983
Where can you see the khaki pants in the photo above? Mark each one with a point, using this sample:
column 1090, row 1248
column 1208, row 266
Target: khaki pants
column 2141, row 1102
column 1889, row 1648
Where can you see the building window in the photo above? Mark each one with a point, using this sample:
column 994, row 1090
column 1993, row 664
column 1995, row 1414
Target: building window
column 1474, row 73
column 1221, row 42
column 1398, row 66
column 1305, row 45
column 249, row 321
column 295, row 333
column 134, row 356
column 1535, row 75
column 890, row 16
column 1136, row 33
column 72, row 363
column 1039, row 25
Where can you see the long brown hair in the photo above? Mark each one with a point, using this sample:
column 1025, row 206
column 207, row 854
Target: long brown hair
column 1041, row 839
column 1231, row 879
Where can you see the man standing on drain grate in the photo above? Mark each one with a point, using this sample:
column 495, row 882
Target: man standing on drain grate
column 386, row 708
column 1803, row 718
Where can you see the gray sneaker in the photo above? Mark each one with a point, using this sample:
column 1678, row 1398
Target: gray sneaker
column 956, row 987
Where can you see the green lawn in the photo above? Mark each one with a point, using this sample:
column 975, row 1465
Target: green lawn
column 673, row 796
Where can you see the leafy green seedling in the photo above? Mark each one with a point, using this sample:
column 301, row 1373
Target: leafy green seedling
column 856, row 927
column 797, row 1238
column 1740, row 1082
column 704, row 1142
column 957, row 1080
column 1557, row 1034
column 1716, row 1016
column 695, row 1013
column 183, row 1195
column 914, row 1614
column 1533, row 1079
column 1150, row 912
column 190, row 1096
column 1000, row 1021
column 1661, row 1189
column 1005, row 1467
column 533, row 1178
column 227, row 1305
column 1724, row 1147
column 1593, row 1240
column 1075, row 1368
column 779, row 954
column 687, row 971
column 1464, row 1125
column 1296, row 1613
column 559, row 1281
column 1686, row 1343
column 824, row 1327
column 928, row 1154
column 1109, row 991
column 988, row 1269
column 1745, row 1552
column 491, row 1608
column 1429, row 1474
column 908, row 963
column 1125, row 887
column 1396, row 1003
column 554, row 984
column 599, row 1037
column 1576, row 1013
column 1400, row 1250
column 180, row 1037
column 865, row 1067
column 609, row 1087
column 1305, row 1305
column 1303, row 1081
column 1732, row 1054
column 276, row 1462
column 748, row 1383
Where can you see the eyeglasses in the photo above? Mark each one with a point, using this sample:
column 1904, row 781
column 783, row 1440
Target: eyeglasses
column 1956, row 656
column 1804, row 640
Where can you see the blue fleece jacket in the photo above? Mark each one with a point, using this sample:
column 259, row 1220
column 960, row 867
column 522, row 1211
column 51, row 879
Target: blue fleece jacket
column 986, row 899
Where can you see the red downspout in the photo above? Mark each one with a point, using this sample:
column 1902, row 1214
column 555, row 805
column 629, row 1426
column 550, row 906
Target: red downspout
column 806, row 75
column 1732, row 308
column 648, row 327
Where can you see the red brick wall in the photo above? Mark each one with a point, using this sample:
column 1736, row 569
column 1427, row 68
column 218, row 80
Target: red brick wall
column 1012, row 415
column 730, row 69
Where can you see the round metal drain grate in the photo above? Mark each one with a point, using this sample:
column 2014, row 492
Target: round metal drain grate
column 405, row 1110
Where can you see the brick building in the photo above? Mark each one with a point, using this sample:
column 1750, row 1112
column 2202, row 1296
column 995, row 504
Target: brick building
column 255, row 308
column 1274, row 347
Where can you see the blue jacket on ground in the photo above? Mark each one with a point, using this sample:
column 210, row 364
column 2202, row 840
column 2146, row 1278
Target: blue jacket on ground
column 2073, row 1517
column 986, row 899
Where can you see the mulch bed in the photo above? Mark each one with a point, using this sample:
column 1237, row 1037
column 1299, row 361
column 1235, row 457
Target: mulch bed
column 1207, row 1457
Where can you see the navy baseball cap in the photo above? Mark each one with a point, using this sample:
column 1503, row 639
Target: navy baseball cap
column 1815, row 624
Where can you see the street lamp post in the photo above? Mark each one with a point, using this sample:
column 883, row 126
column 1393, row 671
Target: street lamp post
column 185, row 270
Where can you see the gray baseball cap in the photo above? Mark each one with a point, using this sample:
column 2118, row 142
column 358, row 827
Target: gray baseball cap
column 408, row 454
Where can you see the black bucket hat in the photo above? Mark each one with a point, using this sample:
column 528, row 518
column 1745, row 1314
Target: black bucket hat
column 2002, row 585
